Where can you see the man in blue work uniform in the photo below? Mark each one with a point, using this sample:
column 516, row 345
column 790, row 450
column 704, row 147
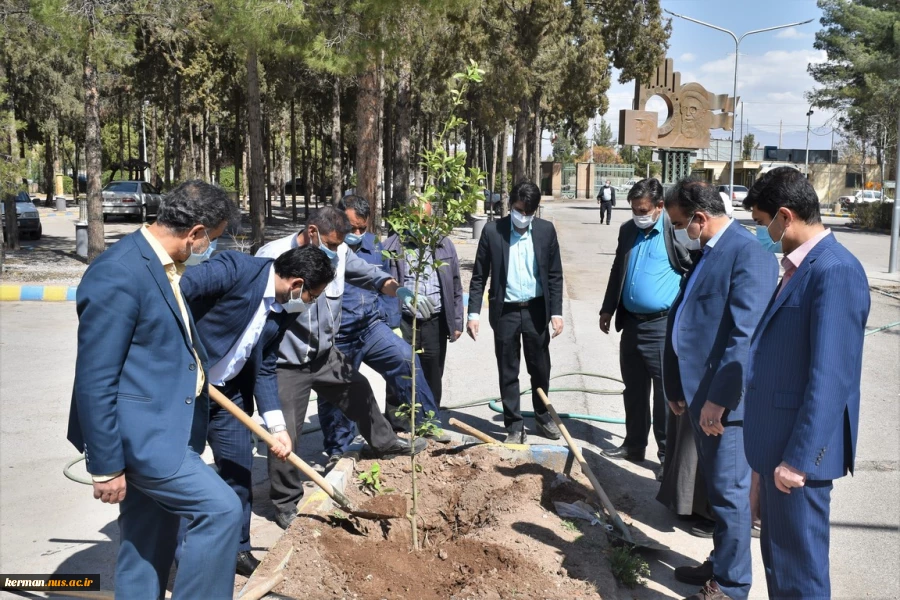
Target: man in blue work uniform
column 365, row 336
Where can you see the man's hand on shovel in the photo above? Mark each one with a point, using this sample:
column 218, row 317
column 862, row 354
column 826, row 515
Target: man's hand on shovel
column 284, row 447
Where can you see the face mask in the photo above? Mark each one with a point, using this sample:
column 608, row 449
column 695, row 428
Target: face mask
column 765, row 238
column 332, row 254
column 519, row 220
column 296, row 305
column 682, row 236
column 352, row 239
column 195, row 259
column 645, row 221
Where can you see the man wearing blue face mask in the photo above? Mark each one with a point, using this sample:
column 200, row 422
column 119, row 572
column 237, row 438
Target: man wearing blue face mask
column 309, row 360
column 643, row 283
column 765, row 238
column 520, row 257
column 242, row 305
column 140, row 405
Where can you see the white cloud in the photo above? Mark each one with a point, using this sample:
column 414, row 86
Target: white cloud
column 792, row 33
column 686, row 58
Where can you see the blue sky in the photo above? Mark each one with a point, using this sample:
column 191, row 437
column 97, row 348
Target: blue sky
column 772, row 77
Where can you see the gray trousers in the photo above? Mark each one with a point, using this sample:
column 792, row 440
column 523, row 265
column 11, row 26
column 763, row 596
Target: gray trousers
column 336, row 381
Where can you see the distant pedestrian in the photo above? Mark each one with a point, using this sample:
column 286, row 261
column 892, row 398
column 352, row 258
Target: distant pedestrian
column 606, row 198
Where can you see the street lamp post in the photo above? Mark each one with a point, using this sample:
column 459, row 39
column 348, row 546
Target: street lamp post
column 737, row 45
column 809, row 114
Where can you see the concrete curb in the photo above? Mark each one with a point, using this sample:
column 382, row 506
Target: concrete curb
column 37, row 293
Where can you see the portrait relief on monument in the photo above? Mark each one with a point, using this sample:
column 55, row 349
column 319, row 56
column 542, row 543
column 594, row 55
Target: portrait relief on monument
column 692, row 112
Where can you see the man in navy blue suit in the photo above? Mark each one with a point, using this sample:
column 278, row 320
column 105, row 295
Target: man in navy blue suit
column 140, row 406
column 705, row 368
column 242, row 306
column 802, row 412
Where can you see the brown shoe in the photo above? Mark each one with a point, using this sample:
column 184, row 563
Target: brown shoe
column 709, row 591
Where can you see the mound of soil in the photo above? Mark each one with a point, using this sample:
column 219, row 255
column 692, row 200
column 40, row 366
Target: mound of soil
column 486, row 530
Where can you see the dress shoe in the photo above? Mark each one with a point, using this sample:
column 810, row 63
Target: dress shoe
column 548, row 430
column 709, row 591
column 660, row 472
column 285, row 518
column 439, row 435
column 400, row 447
column 246, row 564
column 634, row 455
column 515, row 437
column 703, row 528
column 756, row 529
column 695, row 575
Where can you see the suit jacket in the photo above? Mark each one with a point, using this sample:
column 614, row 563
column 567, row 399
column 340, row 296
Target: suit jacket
column 224, row 293
column 134, row 405
column 679, row 258
column 802, row 402
column 717, row 320
column 451, row 284
column 612, row 195
column 492, row 260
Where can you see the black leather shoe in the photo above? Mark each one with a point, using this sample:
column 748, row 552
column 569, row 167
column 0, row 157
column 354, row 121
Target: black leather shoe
column 440, row 436
column 246, row 564
column 703, row 528
column 548, row 430
column 285, row 518
column 695, row 575
column 400, row 447
column 515, row 437
column 634, row 455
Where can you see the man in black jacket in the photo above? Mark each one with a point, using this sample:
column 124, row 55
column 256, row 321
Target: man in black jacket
column 606, row 198
column 644, row 281
column 520, row 255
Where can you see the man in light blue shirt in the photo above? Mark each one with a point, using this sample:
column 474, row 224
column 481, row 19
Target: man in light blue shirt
column 643, row 283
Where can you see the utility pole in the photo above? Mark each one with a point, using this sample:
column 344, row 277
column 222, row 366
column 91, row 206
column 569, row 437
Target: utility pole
column 806, row 161
column 780, row 123
column 742, row 127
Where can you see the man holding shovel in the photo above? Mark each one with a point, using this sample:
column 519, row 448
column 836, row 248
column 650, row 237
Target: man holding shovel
column 242, row 306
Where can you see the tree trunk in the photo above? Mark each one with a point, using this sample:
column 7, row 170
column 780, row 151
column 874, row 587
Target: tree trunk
column 48, row 164
column 204, row 144
column 280, row 167
column 307, row 168
column 11, row 232
column 257, row 164
column 321, row 187
column 388, row 154
column 10, row 109
column 167, row 147
column 238, row 147
column 379, row 169
column 293, row 163
column 75, row 165
column 267, row 157
column 192, row 166
column 336, row 179
column 96, row 239
column 176, row 130
column 520, row 141
column 495, row 143
column 121, row 137
column 400, row 193
column 216, row 156
column 152, row 157
column 504, row 208
column 537, row 141
column 367, row 139
column 420, row 136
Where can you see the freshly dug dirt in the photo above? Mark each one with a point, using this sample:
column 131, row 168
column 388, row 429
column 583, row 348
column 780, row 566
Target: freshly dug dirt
column 486, row 530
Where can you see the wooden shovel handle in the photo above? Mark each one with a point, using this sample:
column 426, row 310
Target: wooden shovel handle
column 472, row 431
column 292, row 458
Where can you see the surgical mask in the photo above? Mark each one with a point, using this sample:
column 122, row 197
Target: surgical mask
column 765, row 238
column 353, row 239
column 296, row 305
column 195, row 258
column 645, row 221
column 519, row 220
column 681, row 235
column 331, row 254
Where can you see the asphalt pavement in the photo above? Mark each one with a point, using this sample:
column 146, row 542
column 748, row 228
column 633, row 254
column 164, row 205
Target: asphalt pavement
column 51, row 524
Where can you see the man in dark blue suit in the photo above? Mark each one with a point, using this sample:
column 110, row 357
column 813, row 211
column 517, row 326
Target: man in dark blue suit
column 802, row 412
column 705, row 368
column 140, row 405
column 242, row 306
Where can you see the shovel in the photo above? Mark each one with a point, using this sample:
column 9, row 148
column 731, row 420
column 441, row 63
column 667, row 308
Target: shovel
column 604, row 499
column 342, row 501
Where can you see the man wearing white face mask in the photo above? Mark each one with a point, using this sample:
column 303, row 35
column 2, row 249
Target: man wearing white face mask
column 309, row 360
column 643, row 283
column 242, row 305
column 705, row 369
column 520, row 255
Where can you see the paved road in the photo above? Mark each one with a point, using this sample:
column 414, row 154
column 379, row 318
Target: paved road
column 50, row 524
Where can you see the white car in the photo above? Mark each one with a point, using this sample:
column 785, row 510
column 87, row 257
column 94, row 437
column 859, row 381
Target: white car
column 861, row 197
column 736, row 197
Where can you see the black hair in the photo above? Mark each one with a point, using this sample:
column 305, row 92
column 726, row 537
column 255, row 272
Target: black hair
column 328, row 219
column 647, row 188
column 308, row 263
column 785, row 187
column 196, row 202
column 693, row 195
column 527, row 193
column 357, row 204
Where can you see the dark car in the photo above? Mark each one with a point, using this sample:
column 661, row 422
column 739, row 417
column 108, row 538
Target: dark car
column 298, row 185
column 28, row 217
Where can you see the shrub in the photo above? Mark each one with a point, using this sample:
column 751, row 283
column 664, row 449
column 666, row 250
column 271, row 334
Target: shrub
column 627, row 567
column 67, row 184
column 226, row 179
column 876, row 215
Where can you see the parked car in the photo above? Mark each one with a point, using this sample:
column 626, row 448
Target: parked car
column 130, row 198
column 298, row 184
column 27, row 215
column 734, row 198
column 493, row 204
column 861, row 197
column 625, row 187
